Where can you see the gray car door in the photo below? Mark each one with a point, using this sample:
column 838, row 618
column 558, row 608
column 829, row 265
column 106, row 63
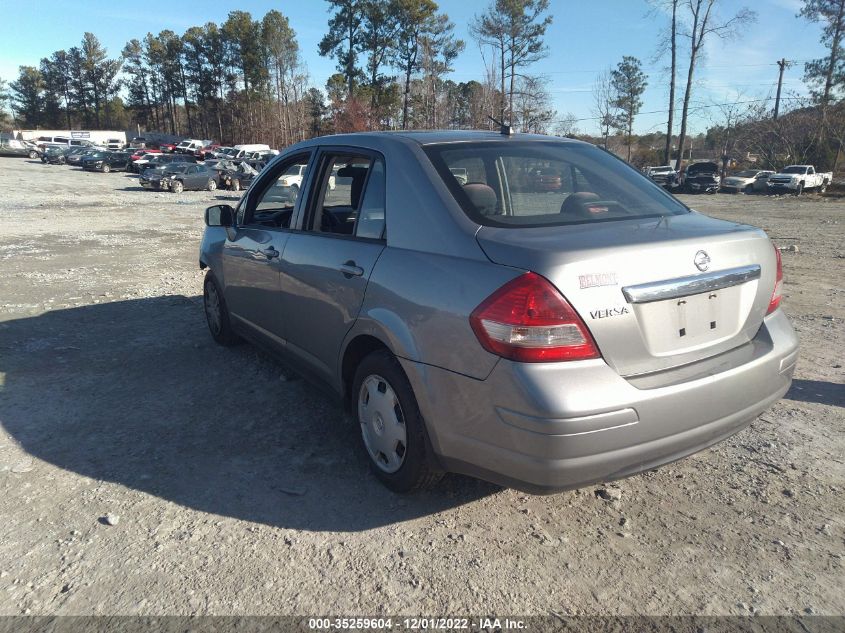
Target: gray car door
column 252, row 255
column 326, row 264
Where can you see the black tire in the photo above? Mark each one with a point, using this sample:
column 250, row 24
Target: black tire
column 177, row 186
column 800, row 189
column 236, row 184
column 212, row 184
column 823, row 187
column 33, row 154
column 749, row 189
column 417, row 470
column 294, row 192
column 219, row 324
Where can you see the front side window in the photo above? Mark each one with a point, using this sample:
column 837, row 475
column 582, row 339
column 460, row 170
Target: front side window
column 276, row 203
column 514, row 184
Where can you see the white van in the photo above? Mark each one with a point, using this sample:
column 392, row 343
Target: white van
column 241, row 151
column 189, row 146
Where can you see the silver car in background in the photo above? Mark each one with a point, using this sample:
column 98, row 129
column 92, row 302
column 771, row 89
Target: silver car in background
column 539, row 333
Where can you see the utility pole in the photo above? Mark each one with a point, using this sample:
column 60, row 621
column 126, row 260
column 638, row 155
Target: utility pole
column 783, row 64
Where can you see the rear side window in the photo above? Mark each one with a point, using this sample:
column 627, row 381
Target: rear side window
column 524, row 184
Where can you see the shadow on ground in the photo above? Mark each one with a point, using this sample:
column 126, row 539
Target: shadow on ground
column 135, row 392
column 817, row 391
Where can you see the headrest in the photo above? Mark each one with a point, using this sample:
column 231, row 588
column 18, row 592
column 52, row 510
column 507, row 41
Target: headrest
column 578, row 204
column 482, row 197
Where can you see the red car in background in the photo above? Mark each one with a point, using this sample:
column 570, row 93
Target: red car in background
column 167, row 148
column 138, row 153
column 208, row 151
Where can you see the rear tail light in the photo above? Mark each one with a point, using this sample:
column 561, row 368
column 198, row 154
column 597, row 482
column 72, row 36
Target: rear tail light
column 777, row 293
column 528, row 320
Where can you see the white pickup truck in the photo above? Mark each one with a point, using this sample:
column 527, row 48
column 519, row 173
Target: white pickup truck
column 797, row 178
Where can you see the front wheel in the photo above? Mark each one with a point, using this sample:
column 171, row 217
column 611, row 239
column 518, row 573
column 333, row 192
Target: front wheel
column 217, row 314
column 294, row 193
column 176, row 186
column 106, row 169
column 799, row 189
column 392, row 428
column 33, row 154
column 212, row 184
column 749, row 189
column 236, row 185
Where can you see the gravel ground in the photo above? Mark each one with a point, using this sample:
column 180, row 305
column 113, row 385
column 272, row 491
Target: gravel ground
column 144, row 470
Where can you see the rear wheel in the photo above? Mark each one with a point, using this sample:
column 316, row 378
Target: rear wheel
column 236, row 185
column 392, row 428
column 177, row 187
column 294, row 192
column 823, row 187
column 217, row 314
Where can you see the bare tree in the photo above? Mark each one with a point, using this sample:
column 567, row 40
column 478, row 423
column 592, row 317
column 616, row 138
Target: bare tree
column 567, row 125
column 670, row 44
column 603, row 108
column 533, row 107
column 705, row 24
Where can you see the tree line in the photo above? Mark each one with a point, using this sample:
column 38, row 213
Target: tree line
column 244, row 80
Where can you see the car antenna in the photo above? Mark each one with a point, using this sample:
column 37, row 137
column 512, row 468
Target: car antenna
column 505, row 130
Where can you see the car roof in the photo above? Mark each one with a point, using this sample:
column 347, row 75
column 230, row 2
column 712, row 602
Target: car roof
column 434, row 137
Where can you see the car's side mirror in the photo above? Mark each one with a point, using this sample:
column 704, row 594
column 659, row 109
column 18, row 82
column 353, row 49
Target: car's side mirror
column 220, row 215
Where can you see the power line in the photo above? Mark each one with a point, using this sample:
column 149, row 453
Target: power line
column 694, row 108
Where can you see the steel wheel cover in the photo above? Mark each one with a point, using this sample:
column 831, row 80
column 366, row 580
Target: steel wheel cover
column 382, row 423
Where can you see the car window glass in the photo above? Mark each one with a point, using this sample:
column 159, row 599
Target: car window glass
column 340, row 194
column 371, row 216
column 276, row 203
column 548, row 184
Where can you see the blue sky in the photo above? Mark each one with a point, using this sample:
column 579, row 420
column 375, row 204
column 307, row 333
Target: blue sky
column 585, row 38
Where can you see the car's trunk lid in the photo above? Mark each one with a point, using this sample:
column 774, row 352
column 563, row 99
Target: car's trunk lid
column 643, row 287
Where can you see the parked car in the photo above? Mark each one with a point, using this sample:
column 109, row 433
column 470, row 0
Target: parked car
column 664, row 175
column 13, row 147
column 115, row 144
column 233, row 176
column 460, row 174
column 545, row 180
column 76, row 155
column 141, row 153
column 189, row 146
column 747, row 181
column 702, row 177
column 207, row 152
column 167, row 148
column 43, row 142
column 797, row 178
column 54, row 155
column 179, row 177
column 241, row 151
column 106, row 162
column 158, row 160
column 538, row 340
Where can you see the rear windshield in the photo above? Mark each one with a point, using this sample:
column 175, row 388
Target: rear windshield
column 537, row 183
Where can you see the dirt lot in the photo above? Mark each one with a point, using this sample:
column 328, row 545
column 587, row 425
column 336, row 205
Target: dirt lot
column 239, row 489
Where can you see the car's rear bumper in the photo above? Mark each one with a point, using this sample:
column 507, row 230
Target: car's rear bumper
column 549, row 427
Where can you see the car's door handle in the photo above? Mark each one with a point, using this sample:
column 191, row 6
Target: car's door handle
column 350, row 269
column 269, row 252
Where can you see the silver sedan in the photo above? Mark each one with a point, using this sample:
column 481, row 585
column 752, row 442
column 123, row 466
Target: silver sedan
column 538, row 332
